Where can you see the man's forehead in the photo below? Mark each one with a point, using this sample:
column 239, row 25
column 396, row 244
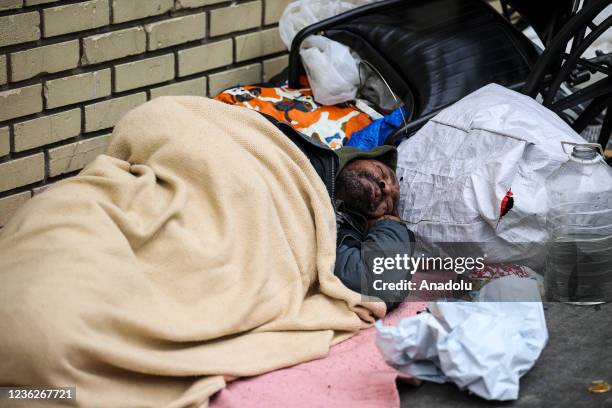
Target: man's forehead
column 368, row 162
column 361, row 162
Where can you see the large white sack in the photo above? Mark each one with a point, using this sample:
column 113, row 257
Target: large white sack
column 457, row 169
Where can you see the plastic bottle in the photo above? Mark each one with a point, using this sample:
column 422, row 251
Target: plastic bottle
column 579, row 224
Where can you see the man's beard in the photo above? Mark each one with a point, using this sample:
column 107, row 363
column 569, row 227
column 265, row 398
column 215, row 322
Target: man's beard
column 355, row 195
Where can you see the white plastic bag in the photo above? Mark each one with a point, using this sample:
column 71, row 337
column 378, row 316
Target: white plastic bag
column 333, row 71
column 332, row 79
column 457, row 169
column 301, row 13
column 484, row 347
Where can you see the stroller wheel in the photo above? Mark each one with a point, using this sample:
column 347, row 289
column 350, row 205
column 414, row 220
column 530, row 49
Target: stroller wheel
column 575, row 85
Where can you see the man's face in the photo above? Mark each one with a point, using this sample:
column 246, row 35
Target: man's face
column 369, row 187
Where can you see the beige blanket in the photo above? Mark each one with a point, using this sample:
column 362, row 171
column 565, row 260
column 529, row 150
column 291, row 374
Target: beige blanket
column 200, row 249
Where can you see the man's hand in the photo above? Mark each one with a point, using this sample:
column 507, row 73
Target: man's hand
column 391, row 217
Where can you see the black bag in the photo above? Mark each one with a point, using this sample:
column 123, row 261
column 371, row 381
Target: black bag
column 430, row 52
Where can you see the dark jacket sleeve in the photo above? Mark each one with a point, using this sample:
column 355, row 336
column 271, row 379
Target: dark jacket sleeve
column 386, row 238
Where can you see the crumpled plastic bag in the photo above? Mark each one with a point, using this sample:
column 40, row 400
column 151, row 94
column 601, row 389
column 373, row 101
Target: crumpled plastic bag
column 332, row 69
column 333, row 72
column 484, row 347
column 301, row 13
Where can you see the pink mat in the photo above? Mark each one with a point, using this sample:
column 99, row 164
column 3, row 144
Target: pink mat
column 353, row 374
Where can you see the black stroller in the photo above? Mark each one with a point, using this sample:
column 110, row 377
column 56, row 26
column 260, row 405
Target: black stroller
column 430, row 63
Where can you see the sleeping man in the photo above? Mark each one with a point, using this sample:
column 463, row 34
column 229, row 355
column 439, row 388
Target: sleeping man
column 365, row 194
column 200, row 248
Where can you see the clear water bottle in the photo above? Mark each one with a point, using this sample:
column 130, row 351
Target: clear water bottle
column 579, row 224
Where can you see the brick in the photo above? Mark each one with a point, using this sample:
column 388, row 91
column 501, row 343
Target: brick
column 37, row 190
column 258, row 44
column 274, row 66
column 78, row 88
column 176, row 31
column 3, row 73
column 21, row 172
column 181, row 4
column 75, row 17
column 10, row 4
column 48, row 129
column 20, row 102
column 196, row 87
column 19, row 28
column 237, row 17
column 248, row 75
column 274, row 10
column 9, row 205
column 144, row 72
column 5, row 143
column 126, row 10
column 114, row 45
column 205, row 57
column 50, row 58
column 75, row 156
column 105, row 114
column 36, row 2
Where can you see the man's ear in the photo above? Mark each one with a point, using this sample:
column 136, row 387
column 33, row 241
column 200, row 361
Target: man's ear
column 340, row 187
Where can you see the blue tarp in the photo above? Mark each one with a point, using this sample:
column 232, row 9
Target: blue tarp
column 377, row 132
